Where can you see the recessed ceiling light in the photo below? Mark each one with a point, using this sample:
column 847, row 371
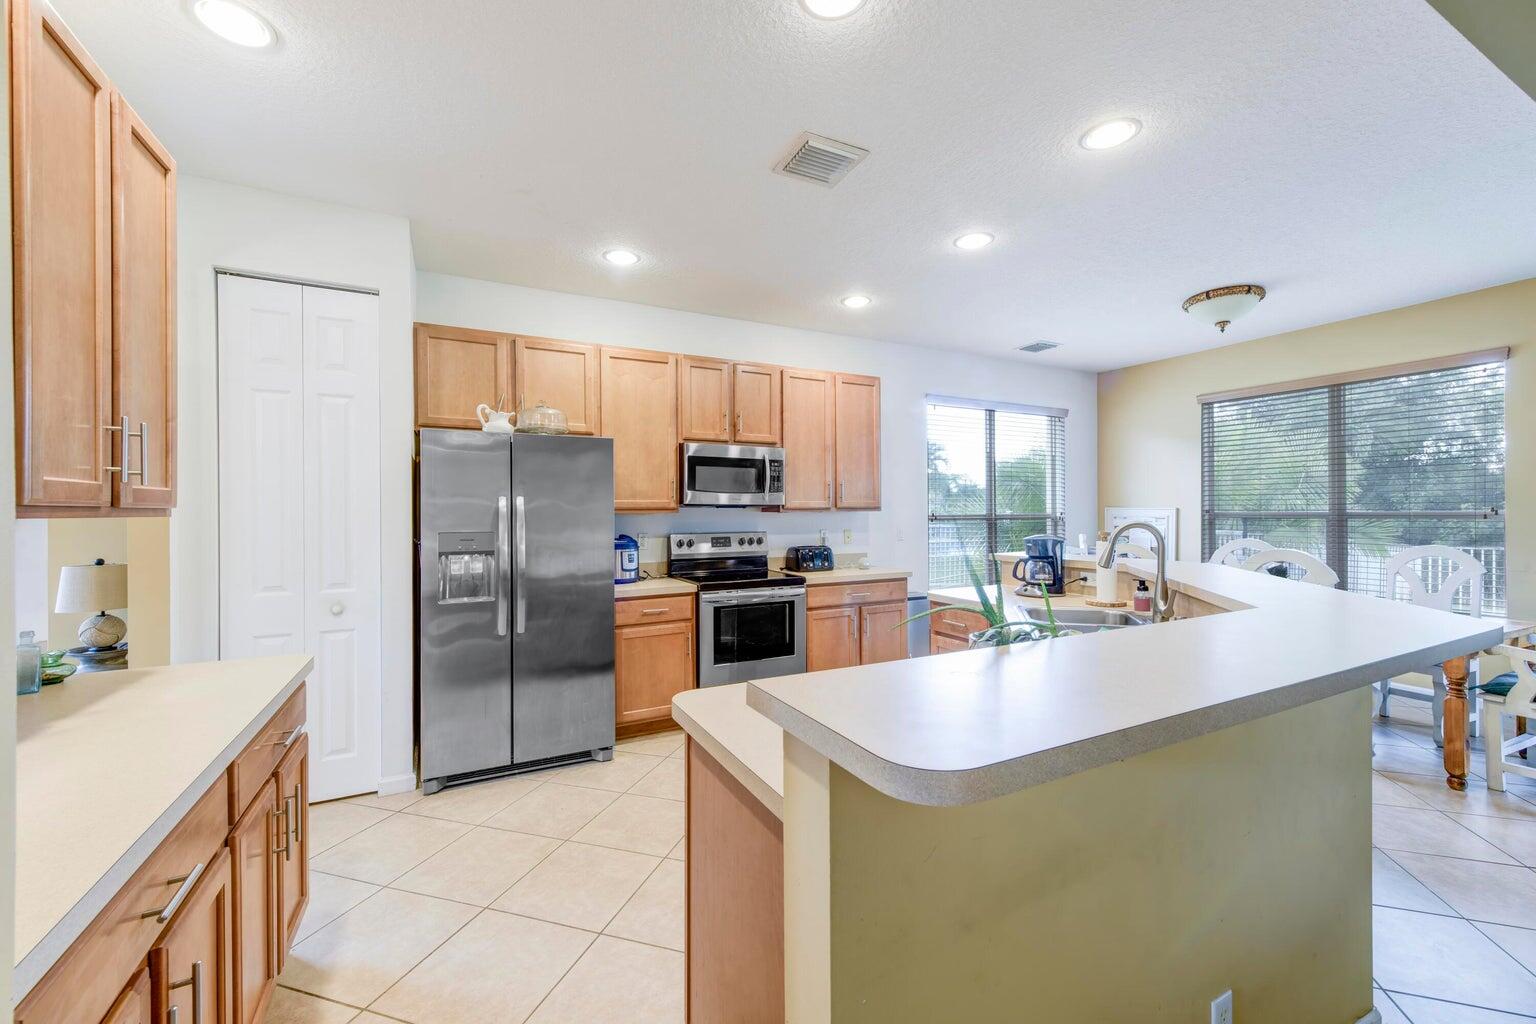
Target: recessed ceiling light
column 1111, row 134
column 622, row 257
column 855, row 301
column 234, row 22
column 973, row 240
column 832, row 9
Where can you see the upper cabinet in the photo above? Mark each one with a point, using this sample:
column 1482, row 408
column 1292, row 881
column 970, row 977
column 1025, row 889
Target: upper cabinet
column 61, row 138
column 809, row 430
column 562, row 375
column 704, row 399
column 858, row 441
column 756, row 392
column 458, row 370
column 94, row 235
column 639, row 403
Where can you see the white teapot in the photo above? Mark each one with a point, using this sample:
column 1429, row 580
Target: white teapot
column 493, row 421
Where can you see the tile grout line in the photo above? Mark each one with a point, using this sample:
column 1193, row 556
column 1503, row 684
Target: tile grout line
column 1450, row 1002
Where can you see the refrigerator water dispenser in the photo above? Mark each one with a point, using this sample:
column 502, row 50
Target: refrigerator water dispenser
column 466, row 568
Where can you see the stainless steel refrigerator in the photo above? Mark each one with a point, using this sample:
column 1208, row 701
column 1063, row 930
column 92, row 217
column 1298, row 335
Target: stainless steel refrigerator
column 514, row 636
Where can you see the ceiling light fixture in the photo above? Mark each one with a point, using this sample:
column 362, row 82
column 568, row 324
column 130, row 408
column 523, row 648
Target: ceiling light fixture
column 1220, row 306
column 235, row 22
column 1110, row 134
column 622, row 257
column 972, row 240
column 831, row 10
column 855, row 301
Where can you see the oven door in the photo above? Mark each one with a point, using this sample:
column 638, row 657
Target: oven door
column 751, row 634
column 731, row 474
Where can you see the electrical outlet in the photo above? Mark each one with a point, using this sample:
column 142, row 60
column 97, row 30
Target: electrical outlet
column 847, row 536
column 823, row 538
column 1221, row 1008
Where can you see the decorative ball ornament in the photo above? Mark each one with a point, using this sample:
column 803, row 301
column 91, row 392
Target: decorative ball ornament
column 102, row 630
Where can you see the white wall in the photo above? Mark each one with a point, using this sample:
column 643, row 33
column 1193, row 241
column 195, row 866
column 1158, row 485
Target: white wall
column 895, row 535
column 228, row 227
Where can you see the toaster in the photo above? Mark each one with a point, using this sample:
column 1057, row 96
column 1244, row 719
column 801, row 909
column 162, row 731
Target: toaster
column 808, row 558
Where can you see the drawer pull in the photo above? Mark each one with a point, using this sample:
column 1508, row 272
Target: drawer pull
column 952, row 622
column 283, row 738
column 187, row 881
column 864, row 593
column 653, row 611
column 196, row 981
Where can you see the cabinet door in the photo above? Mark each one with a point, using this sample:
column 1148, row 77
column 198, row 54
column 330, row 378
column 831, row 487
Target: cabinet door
column 756, row 394
column 457, row 370
column 938, row 643
column 293, row 866
column 858, row 441
column 562, row 375
column 61, row 198
column 143, row 312
column 639, row 391
column 252, row 843
column 881, row 637
column 831, row 638
column 809, row 436
column 651, row 665
column 190, row 968
column 703, row 399
column 135, row 1005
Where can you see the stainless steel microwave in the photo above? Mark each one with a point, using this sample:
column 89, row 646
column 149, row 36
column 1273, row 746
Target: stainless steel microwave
column 732, row 474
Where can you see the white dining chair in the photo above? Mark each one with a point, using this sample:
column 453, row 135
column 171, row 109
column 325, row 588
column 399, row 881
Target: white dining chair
column 1236, row 552
column 1510, row 694
column 1461, row 569
column 1313, row 569
column 1125, row 549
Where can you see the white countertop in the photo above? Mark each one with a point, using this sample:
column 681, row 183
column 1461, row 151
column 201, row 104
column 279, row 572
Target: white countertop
column 660, row 586
column 745, row 743
column 966, row 727
column 107, row 763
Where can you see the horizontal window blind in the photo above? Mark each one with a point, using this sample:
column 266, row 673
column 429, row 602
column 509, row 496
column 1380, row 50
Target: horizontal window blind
column 1354, row 472
column 995, row 476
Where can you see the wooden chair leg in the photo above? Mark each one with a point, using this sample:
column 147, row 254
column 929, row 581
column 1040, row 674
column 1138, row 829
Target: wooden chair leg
column 1454, row 723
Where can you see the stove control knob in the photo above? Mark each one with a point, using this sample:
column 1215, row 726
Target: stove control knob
column 741, row 542
column 759, row 541
column 690, row 543
column 679, row 542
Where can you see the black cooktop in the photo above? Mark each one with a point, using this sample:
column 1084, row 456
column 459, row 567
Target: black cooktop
column 731, row 574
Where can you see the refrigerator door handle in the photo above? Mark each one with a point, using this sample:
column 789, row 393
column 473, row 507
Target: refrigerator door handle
column 503, row 562
column 522, row 565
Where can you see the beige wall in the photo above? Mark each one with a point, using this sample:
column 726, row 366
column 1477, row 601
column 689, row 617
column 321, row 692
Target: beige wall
column 1136, row 891
column 1149, row 422
column 144, row 545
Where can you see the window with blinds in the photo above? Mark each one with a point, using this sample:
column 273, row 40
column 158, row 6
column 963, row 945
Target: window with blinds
column 996, row 474
column 1354, row 472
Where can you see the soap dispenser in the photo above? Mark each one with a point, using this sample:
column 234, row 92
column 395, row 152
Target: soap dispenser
column 1142, row 599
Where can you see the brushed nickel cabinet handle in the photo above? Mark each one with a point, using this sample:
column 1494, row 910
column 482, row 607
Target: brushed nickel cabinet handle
column 952, row 622
column 653, row 611
column 196, row 981
column 284, row 849
column 143, row 470
column 123, row 454
column 187, row 881
column 842, row 492
column 298, row 813
column 288, row 836
column 863, row 593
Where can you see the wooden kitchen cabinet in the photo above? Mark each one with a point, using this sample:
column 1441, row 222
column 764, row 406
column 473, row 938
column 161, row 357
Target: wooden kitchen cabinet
column 256, row 837
column 61, row 195
column 950, row 629
column 881, row 637
column 292, row 777
column 704, row 399
column 831, row 638
column 562, row 375
column 143, row 312
column 135, row 1005
column 457, row 370
column 653, row 660
column 639, row 403
column 858, row 441
column 809, row 436
column 756, row 393
column 191, row 967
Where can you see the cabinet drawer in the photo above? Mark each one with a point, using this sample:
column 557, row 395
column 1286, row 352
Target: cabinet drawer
column 938, row 643
column 638, row 611
column 88, row 978
column 249, row 772
column 958, row 623
column 832, row 596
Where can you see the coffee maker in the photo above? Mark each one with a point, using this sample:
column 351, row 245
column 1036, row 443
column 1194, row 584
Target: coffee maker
column 1041, row 565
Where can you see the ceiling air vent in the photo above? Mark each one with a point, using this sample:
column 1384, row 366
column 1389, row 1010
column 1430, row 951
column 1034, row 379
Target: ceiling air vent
column 1038, row 346
column 819, row 159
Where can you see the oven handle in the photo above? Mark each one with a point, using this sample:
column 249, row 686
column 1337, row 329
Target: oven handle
column 757, row 597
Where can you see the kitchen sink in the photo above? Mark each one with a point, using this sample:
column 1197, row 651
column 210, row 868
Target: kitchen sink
column 1088, row 618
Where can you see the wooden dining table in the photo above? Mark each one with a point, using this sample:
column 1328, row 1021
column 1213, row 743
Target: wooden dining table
column 1454, row 720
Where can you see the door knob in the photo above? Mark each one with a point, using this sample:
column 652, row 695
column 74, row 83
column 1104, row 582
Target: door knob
column 337, row 608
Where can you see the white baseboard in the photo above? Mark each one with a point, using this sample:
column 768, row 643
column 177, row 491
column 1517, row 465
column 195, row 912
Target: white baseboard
column 406, row 783
column 1374, row 1017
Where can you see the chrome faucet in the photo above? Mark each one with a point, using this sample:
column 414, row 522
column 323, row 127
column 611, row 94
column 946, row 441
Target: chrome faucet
column 1162, row 597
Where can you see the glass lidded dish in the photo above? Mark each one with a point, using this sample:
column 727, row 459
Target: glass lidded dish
column 541, row 419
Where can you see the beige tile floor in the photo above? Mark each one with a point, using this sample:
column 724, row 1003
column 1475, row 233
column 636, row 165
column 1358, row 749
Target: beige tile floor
column 558, row 897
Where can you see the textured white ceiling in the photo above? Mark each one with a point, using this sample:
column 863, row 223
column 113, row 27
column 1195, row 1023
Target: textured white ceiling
column 1350, row 157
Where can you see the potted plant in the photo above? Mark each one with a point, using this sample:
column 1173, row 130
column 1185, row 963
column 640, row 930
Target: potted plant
column 1000, row 631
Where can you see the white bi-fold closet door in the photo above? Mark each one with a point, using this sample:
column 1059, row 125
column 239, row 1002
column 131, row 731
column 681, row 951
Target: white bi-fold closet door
column 299, row 506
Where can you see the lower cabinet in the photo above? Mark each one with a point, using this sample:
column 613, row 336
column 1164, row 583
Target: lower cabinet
column 191, row 968
column 950, row 628
column 653, row 660
column 854, row 625
column 251, row 847
column 292, row 866
column 136, row 1004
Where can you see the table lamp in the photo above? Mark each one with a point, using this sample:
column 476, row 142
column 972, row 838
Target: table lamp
column 95, row 588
